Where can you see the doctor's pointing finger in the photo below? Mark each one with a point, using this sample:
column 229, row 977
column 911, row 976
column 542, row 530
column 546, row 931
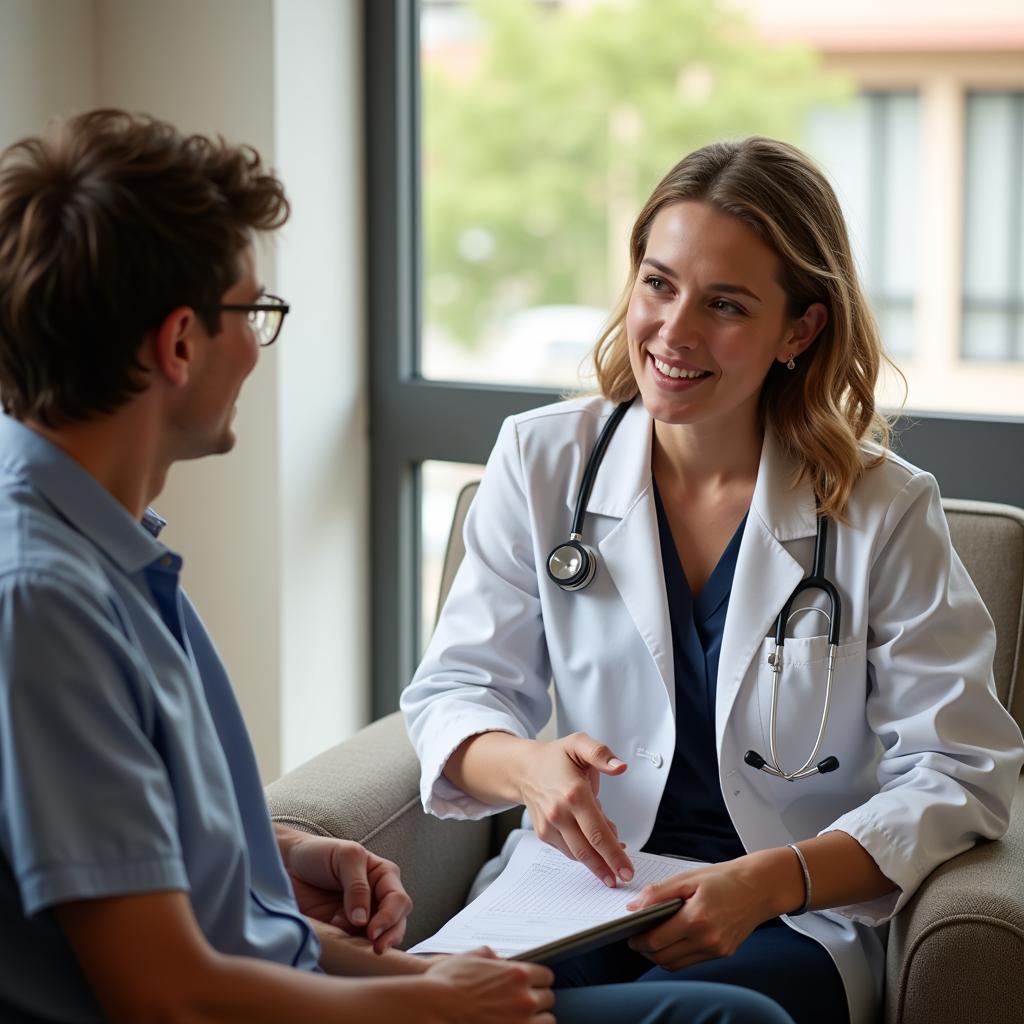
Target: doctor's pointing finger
column 558, row 782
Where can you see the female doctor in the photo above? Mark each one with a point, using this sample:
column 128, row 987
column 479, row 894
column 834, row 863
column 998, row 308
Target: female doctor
column 822, row 749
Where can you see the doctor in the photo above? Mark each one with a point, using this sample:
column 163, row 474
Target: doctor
column 748, row 356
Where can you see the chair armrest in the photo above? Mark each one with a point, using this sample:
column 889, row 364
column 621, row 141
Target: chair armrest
column 956, row 951
column 367, row 789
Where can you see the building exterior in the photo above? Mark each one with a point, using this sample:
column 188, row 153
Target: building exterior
column 943, row 132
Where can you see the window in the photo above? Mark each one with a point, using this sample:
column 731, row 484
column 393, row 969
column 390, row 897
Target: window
column 433, row 419
column 993, row 266
column 543, row 128
column 870, row 149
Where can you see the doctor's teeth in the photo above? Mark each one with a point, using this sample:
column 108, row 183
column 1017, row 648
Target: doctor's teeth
column 674, row 371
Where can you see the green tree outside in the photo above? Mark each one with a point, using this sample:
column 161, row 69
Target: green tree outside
column 537, row 157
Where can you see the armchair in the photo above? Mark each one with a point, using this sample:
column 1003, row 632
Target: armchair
column 956, row 952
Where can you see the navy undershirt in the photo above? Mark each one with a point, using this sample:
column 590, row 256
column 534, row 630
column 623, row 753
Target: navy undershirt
column 692, row 820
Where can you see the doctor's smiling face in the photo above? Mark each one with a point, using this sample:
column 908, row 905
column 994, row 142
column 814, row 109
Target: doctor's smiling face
column 707, row 317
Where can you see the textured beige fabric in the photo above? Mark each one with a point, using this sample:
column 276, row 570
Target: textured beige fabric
column 367, row 789
column 989, row 539
column 955, row 954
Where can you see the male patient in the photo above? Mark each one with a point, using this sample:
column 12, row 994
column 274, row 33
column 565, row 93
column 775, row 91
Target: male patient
column 140, row 878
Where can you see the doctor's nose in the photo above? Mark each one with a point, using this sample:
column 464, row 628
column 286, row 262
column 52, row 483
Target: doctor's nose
column 679, row 328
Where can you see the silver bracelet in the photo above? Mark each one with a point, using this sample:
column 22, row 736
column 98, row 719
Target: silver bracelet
column 807, row 881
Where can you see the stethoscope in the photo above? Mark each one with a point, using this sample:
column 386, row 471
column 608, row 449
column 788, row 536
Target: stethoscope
column 572, row 564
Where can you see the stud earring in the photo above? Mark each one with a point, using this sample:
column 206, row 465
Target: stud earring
column 791, row 365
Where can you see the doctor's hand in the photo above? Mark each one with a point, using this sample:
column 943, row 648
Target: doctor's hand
column 723, row 904
column 559, row 787
column 343, row 884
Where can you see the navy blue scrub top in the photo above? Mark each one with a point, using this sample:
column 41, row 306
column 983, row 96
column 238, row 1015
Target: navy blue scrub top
column 692, row 820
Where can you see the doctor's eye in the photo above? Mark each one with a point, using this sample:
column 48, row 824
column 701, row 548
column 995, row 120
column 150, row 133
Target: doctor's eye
column 656, row 284
column 726, row 306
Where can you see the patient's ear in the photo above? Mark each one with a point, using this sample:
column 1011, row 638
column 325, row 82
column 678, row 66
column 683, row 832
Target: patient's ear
column 172, row 346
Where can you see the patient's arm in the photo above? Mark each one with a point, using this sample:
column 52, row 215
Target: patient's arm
column 354, row 956
column 147, row 960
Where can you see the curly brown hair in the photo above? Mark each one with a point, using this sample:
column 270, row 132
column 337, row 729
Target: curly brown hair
column 822, row 411
column 107, row 224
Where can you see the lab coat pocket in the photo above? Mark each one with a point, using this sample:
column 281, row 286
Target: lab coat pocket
column 800, row 702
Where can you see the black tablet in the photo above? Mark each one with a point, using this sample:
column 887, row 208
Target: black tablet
column 600, row 935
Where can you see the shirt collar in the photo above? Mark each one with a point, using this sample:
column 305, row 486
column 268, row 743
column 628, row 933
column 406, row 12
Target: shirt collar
column 79, row 498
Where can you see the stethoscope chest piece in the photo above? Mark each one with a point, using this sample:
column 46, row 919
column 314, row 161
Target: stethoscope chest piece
column 572, row 565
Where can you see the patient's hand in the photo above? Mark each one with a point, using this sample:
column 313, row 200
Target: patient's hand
column 341, row 883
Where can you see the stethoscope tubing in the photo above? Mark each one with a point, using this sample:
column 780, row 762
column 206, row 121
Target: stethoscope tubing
column 815, row 580
column 593, row 464
column 572, row 564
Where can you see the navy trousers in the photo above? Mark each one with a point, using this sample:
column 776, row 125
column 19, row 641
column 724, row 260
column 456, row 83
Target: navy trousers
column 789, row 968
column 666, row 1002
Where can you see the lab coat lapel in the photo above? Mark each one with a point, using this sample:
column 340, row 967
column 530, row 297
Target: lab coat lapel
column 766, row 572
column 630, row 552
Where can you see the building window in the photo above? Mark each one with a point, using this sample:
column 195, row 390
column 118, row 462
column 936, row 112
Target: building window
column 871, row 149
column 993, row 275
column 434, row 413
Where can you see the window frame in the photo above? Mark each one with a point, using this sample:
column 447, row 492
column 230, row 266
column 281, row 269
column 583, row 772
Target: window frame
column 464, row 418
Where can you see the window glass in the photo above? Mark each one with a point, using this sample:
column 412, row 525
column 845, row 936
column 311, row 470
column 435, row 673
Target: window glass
column 870, row 150
column 993, row 275
column 544, row 127
column 545, row 124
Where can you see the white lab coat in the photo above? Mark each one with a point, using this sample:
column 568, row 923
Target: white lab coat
column 928, row 757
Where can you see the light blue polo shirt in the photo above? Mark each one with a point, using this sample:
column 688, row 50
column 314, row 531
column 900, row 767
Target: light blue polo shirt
column 125, row 766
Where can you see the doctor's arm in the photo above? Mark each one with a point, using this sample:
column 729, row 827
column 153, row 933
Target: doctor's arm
column 725, row 902
column 951, row 757
column 558, row 782
column 481, row 691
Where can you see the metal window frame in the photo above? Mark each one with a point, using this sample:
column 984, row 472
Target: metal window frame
column 413, row 420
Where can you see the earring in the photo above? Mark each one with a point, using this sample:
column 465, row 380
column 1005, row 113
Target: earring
column 791, row 365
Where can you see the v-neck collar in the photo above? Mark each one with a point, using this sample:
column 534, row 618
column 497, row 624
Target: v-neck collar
column 718, row 585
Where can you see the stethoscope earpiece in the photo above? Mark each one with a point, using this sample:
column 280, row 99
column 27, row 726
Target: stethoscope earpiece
column 823, row 767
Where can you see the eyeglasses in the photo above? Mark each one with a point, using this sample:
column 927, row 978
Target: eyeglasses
column 265, row 317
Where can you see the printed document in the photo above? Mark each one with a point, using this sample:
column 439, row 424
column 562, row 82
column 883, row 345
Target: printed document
column 542, row 896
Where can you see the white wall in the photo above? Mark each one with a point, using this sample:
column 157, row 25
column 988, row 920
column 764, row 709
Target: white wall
column 322, row 436
column 273, row 535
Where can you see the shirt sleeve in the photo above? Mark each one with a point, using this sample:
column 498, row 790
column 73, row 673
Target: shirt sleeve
column 86, row 805
column 486, row 668
column 951, row 754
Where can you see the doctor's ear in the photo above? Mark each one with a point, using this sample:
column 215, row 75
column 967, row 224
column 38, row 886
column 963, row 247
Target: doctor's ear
column 172, row 346
column 802, row 332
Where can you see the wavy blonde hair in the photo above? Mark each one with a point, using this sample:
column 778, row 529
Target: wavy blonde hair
column 823, row 410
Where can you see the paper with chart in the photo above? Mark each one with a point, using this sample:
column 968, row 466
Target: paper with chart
column 542, row 896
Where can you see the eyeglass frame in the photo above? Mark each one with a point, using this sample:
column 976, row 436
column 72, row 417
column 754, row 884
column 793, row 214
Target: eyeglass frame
column 279, row 306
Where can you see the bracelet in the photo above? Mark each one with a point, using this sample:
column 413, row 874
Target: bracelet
column 807, row 881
